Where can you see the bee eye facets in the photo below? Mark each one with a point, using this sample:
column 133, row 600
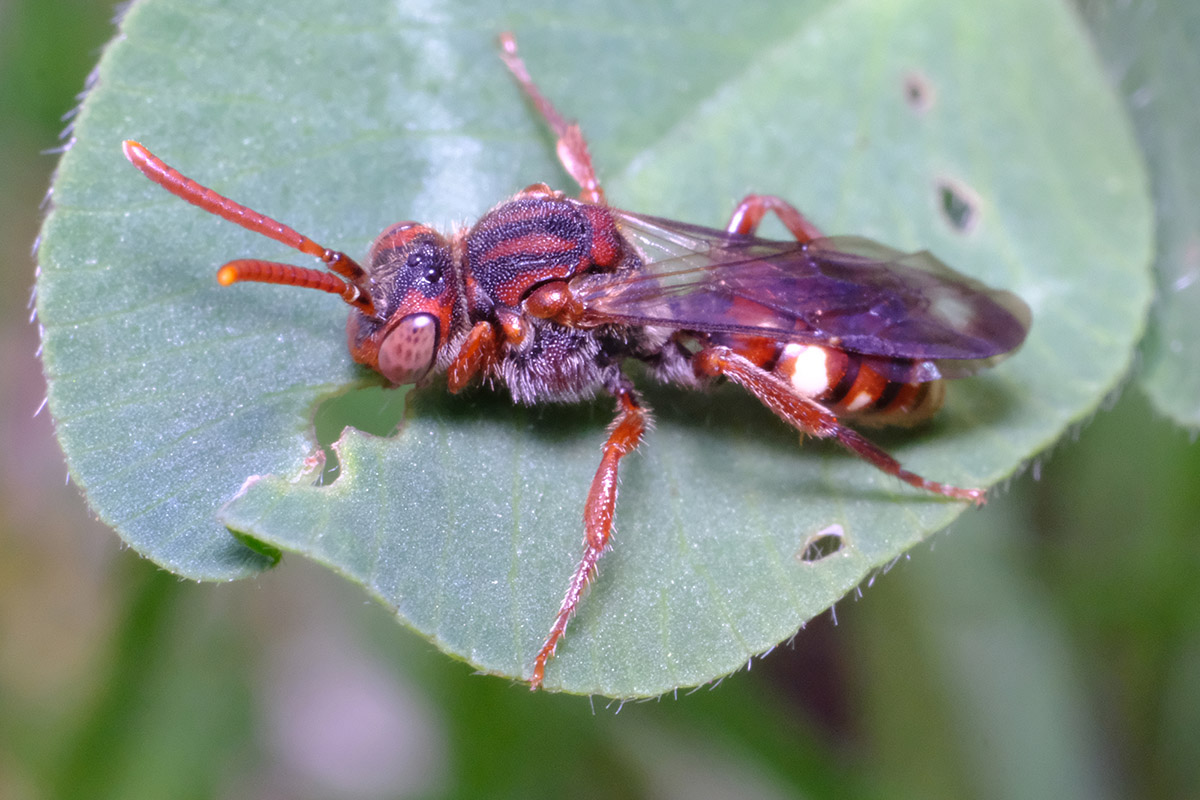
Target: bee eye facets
column 407, row 352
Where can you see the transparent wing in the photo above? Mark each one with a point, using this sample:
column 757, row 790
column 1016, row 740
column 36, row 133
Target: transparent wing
column 842, row 291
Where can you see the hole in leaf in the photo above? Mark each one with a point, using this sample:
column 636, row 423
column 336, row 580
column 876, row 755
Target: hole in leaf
column 823, row 544
column 918, row 92
column 375, row 410
column 958, row 204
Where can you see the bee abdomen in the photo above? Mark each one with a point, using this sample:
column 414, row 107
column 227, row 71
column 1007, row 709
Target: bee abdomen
column 848, row 385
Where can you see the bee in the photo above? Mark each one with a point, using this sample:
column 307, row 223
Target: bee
column 549, row 295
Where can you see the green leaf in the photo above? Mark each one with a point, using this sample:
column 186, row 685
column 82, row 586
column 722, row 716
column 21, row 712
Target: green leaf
column 171, row 394
column 1150, row 49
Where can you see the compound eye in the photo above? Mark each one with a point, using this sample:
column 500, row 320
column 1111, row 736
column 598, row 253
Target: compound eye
column 408, row 351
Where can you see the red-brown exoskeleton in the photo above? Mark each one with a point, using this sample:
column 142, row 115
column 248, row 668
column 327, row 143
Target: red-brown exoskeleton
column 548, row 295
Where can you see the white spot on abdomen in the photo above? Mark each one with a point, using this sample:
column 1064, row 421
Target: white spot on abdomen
column 861, row 400
column 810, row 368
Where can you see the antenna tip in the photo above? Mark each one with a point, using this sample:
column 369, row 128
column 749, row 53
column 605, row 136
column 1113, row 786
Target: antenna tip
column 134, row 151
column 227, row 275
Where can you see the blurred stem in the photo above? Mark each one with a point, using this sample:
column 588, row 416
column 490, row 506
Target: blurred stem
column 91, row 762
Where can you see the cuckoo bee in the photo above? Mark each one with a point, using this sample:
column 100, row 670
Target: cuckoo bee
column 548, row 295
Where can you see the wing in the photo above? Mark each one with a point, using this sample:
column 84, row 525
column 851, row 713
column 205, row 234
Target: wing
column 842, row 291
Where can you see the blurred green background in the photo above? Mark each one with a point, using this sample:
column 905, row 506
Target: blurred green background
column 1050, row 645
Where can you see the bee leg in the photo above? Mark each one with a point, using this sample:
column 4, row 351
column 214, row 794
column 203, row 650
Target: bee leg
column 571, row 147
column 624, row 435
column 812, row 418
column 754, row 207
column 476, row 356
